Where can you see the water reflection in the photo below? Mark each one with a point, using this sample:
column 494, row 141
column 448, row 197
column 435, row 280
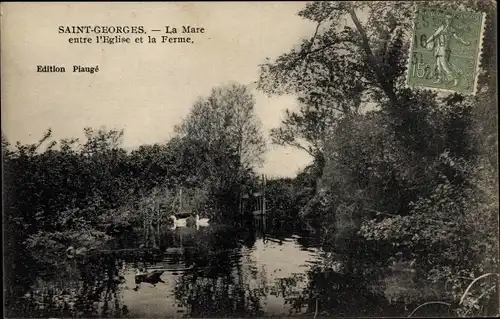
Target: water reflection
column 219, row 271
column 212, row 271
column 86, row 289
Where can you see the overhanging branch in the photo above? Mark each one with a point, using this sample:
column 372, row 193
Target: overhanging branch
column 379, row 74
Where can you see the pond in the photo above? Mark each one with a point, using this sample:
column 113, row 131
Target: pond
column 209, row 274
column 214, row 271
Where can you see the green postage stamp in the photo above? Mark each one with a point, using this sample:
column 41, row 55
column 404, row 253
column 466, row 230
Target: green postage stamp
column 446, row 50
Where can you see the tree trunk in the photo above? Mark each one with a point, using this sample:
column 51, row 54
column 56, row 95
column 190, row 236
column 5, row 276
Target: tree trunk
column 379, row 74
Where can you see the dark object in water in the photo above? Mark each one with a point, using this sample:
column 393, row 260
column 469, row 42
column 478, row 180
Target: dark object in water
column 149, row 277
column 125, row 310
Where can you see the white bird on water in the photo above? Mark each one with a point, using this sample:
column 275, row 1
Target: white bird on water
column 201, row 221
column 182, row 222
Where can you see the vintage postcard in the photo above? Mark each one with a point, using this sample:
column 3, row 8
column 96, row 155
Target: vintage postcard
column 250, row 159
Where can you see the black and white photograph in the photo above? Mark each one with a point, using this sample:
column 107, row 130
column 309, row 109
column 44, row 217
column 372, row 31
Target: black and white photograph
column 268, row 159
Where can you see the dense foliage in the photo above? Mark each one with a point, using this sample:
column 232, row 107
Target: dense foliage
column 405, row 174
column 82, row 193
column 400, row 177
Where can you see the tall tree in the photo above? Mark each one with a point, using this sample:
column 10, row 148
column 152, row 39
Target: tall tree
column 410, row 169
column 226, row 119
column 222, row 136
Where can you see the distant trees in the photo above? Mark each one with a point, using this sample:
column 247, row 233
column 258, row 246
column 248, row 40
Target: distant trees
column 282, row 202
column 227, row 137
column 73, row 192
column 61, row 193
column 226, row 119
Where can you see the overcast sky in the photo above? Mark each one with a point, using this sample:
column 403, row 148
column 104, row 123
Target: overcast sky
column 144, row 89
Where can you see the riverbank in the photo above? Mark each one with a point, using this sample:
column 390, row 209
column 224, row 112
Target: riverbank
column 286, row 274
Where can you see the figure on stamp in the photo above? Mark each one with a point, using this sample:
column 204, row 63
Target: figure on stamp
column 444, row 70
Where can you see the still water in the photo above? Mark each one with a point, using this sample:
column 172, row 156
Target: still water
column 214, row 271
column 211, row 272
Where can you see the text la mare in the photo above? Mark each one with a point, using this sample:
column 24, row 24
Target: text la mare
column 184, row 29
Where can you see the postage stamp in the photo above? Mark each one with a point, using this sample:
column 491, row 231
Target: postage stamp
column 446, row 50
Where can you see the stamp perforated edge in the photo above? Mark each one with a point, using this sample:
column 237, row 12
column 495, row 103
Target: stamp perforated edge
column 410, row 48
column 480, row 52
column 478, row 60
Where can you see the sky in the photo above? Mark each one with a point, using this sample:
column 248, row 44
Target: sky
column 145, row 89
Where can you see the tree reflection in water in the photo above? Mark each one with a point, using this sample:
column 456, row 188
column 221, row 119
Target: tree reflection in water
column 215, row 285
column 213, row 272
column 225, row 281
column 87, row 288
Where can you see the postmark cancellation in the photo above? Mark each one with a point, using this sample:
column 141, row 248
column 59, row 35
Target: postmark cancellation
column 445, row 51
